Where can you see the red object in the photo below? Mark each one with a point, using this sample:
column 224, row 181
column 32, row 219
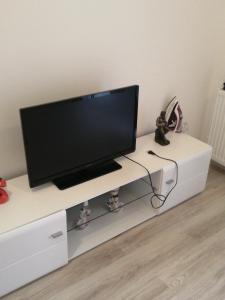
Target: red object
column 2, row 182
column 3, row 194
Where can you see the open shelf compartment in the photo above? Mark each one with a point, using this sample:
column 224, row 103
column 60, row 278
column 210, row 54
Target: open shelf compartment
column 105, row 225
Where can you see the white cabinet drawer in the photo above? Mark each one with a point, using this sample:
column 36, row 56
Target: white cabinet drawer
column 31, row 238
column 184, row 191
column 187, row 169
column 192, row 175
column 31, row 251
column 194, row 166
column 31, row 268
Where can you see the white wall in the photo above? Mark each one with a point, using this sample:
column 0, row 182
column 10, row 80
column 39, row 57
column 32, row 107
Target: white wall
column 54, row 49
column 218, row 66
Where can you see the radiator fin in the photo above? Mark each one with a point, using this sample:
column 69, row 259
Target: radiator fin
column 217, row 130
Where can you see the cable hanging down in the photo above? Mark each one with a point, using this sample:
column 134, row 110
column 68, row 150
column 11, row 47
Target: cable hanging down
column 160, row 197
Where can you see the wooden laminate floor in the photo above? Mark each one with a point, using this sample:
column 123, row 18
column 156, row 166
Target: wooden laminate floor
column 179, row 255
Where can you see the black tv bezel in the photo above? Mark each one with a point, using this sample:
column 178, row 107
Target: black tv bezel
column 37, row 182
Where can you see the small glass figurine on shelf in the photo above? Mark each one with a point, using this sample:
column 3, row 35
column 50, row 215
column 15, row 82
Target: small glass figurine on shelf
column 85, row 213
column 161, row 130
column 113, row 203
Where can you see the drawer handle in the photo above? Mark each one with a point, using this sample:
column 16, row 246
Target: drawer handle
column 56, row 234
column 169, row 181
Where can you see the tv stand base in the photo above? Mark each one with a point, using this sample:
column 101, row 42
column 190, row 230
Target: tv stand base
column 86, row 174
column 38, row 226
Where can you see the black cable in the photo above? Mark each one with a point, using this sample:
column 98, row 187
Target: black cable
column 161, row 198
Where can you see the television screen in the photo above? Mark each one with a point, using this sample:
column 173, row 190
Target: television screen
column 67, row 136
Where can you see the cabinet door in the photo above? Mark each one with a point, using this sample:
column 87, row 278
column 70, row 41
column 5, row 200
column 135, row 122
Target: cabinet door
column 192, row 176
column 31, row 251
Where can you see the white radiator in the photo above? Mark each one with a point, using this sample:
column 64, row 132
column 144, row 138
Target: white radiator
column 217, row 130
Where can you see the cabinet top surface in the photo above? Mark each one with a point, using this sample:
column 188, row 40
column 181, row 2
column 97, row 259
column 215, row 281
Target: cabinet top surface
column 26, row 205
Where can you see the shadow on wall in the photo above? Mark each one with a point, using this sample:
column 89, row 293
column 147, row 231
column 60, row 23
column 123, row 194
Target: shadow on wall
column 13, row 161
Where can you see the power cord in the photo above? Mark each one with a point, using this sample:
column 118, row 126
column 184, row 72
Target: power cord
column 161, row 198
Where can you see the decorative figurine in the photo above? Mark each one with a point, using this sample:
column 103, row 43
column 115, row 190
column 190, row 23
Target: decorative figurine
column 3, row 194
column 113, row 203
column 85, row 212
column 162, row 129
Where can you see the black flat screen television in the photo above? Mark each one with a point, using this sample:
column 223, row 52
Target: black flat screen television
column 74, row 140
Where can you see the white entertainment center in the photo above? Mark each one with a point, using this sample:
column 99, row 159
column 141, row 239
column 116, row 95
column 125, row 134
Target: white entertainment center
column 37, row 232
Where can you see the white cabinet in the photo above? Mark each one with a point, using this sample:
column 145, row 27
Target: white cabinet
column 31, row 251
column 33, row 237
column 192, row 176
